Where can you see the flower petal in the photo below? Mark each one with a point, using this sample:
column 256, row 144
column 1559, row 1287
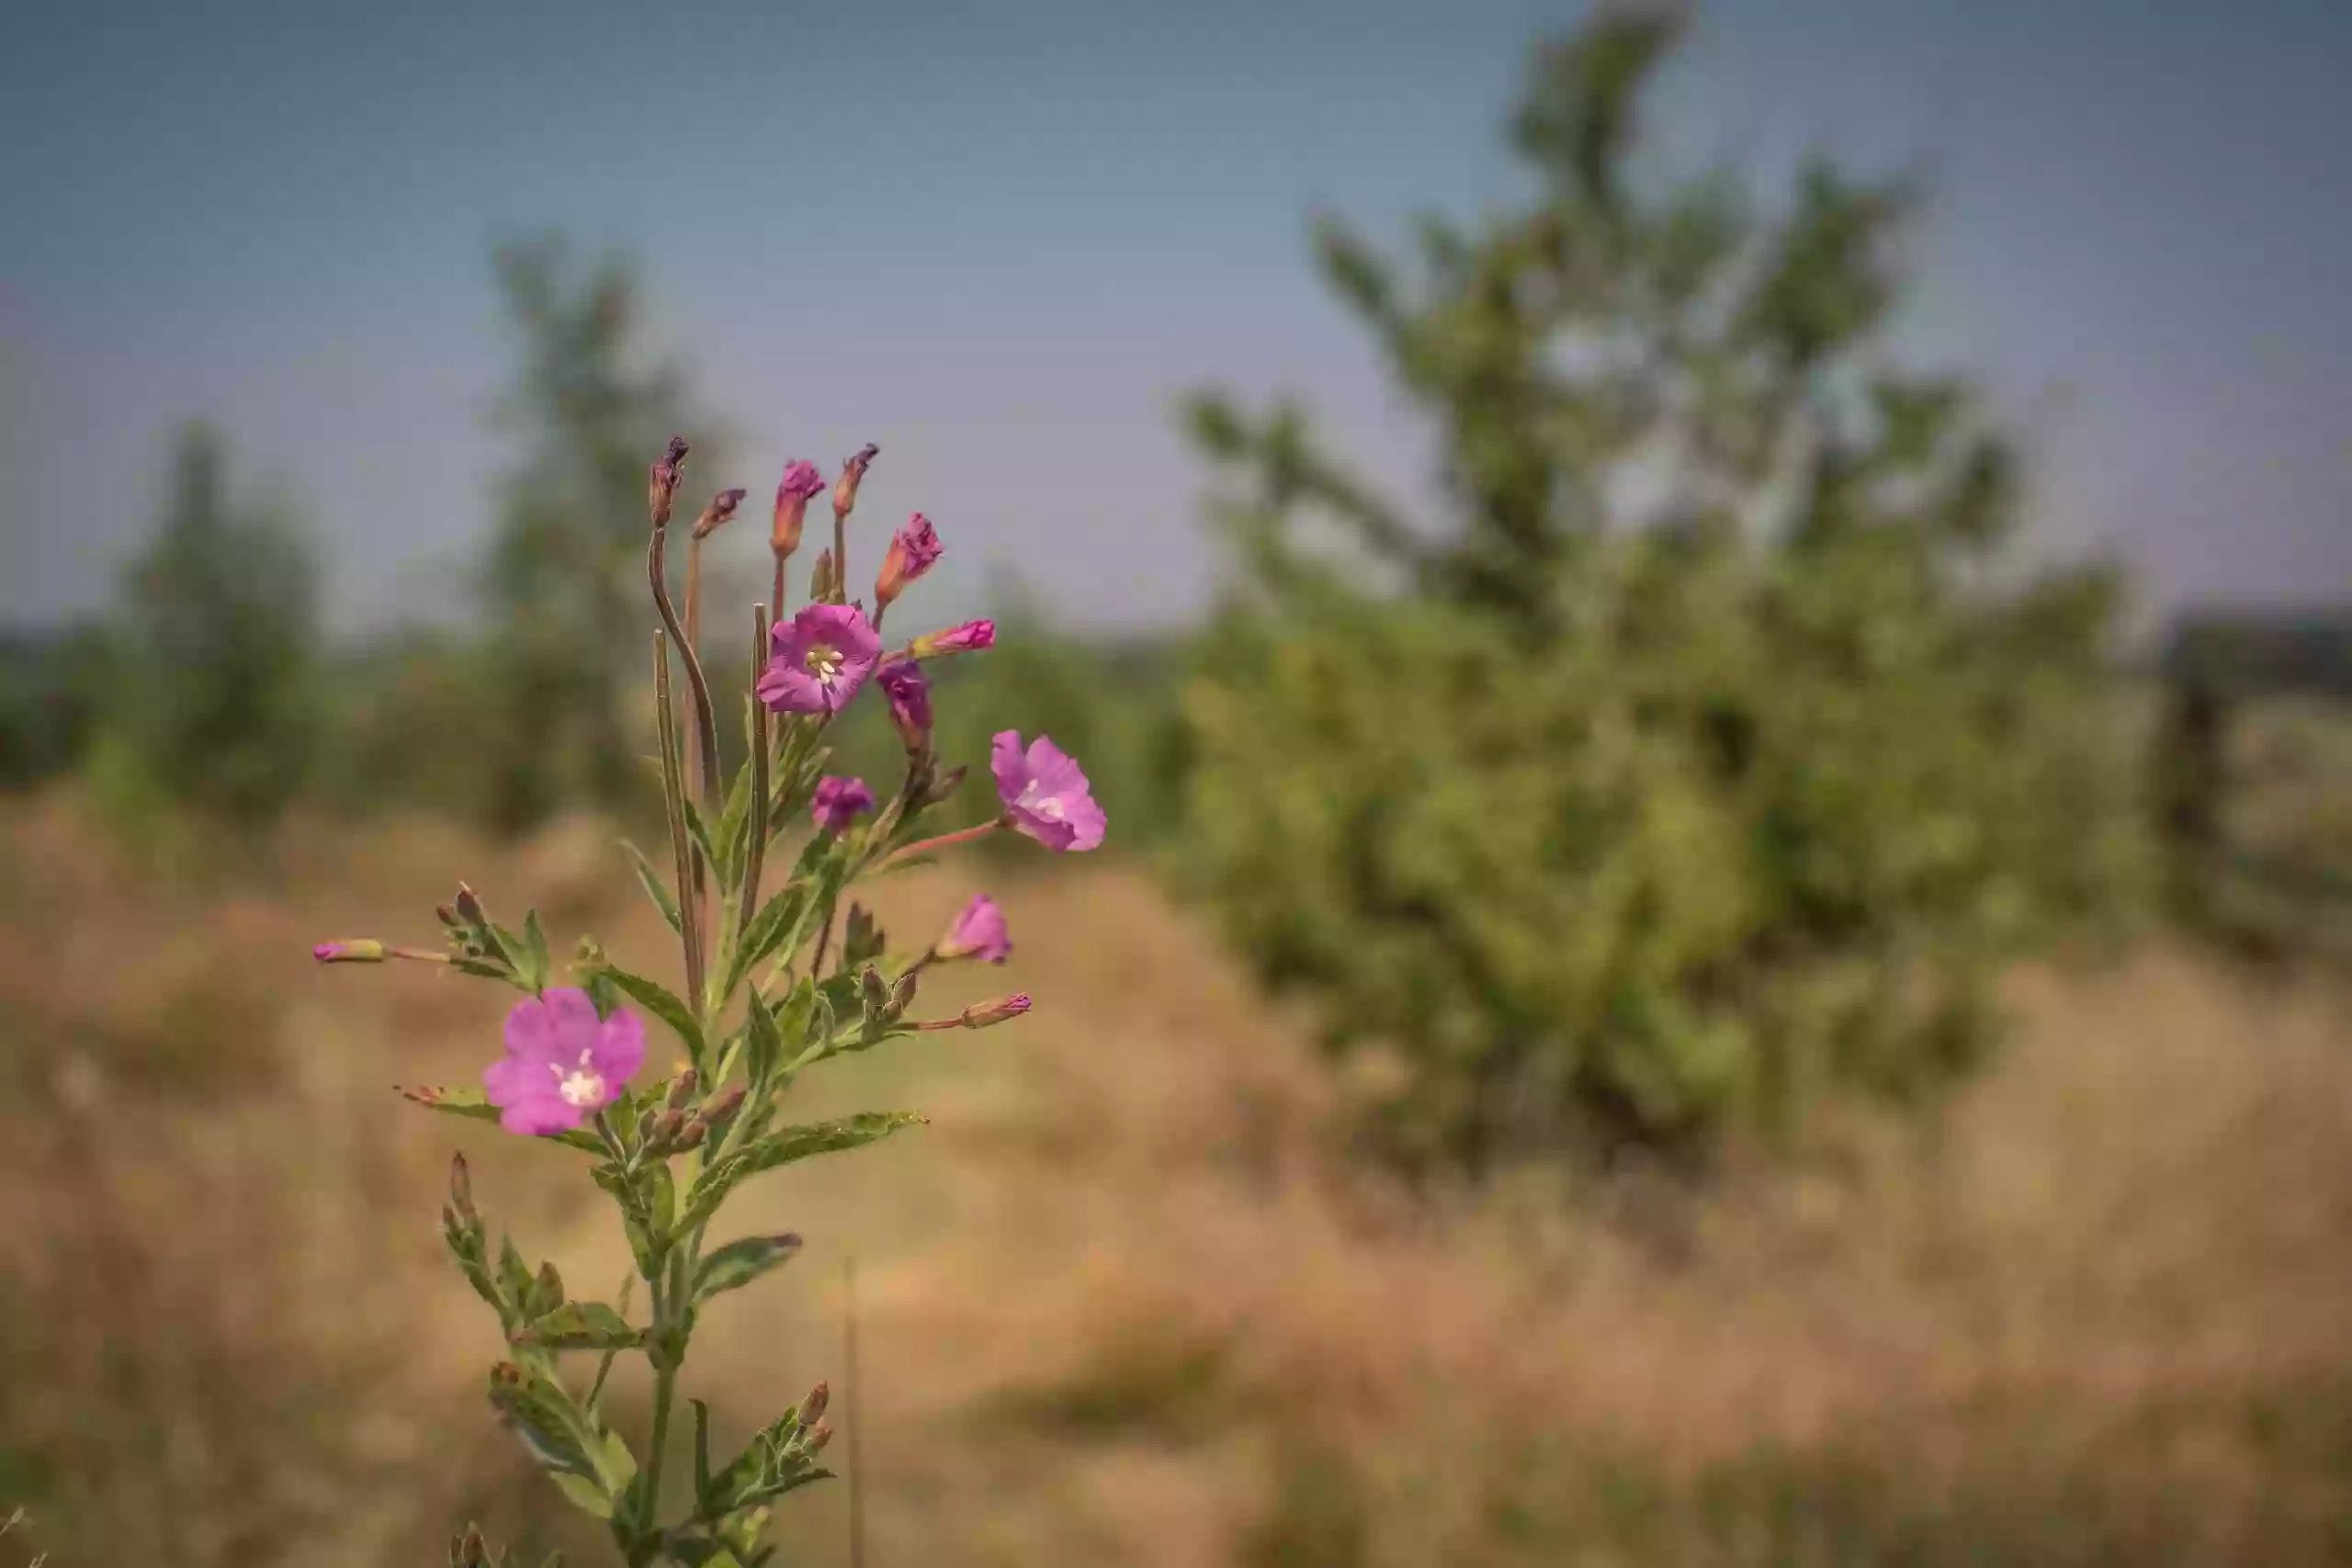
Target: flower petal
column 620, row 1051
column 1011, row 768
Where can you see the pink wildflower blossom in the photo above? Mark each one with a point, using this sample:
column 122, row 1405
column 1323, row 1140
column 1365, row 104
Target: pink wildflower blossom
column 839, row 801
column 1045, row 793
column 978, row 932
column 562, row 1064
column 818, row 660
column 914, row 549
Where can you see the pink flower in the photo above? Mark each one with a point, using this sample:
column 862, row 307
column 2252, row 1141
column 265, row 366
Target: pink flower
column 563, row 1062
column 818, row 660
column 839, row 802
column 801, row 481
column 363, row 951
column 978, row 933
column 1045, row 793
column 969, row 638
column 902, row 683
column 914, row 549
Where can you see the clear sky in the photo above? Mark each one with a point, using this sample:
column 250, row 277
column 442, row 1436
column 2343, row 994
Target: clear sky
column 998, row 238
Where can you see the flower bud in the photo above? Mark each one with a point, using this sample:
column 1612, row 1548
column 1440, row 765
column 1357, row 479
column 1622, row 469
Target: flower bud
column 909, row 694
column 692, row 1136
column 914, row 549
column 902, row 993
column 461, row 1191
column 359, row 950
column 718, row 514
column 801, row 481
column 980, row 1015
column 812, row 1408
column 662, row 1136
column 852, row 475
column 447, row 916
column 682, row 1091
column 873, row 990
column 818, row 1436
column 470, row 908
column 723, row 1104
column 661, row 487
column 969, row 638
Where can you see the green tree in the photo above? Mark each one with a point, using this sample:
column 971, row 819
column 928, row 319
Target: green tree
column 563, row 578
column 1701, row 765
column 211, row 703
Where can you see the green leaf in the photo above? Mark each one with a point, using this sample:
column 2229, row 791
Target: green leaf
column 546, row 1292
column 763, row 1041
column 664, row 1004
column 471, row 1104
column 701, row 835
column 785, row 1146
column 651, row 880
column 582, row 1325
column 702, row 1454
column 739, row 1262
column 586, row 1495
column 535, row 943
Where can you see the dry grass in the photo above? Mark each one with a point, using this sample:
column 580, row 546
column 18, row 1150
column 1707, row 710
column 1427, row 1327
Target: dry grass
column 1122, row 1303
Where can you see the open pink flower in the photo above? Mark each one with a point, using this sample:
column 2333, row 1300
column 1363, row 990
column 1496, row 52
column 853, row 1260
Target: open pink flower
column 978, row 933
column 818, row 660
column 1045, row 793
column 914, row 549
column 562, row 1064
column 902, row 683
column 969, row 638
column 839, row 802
column 801, row 481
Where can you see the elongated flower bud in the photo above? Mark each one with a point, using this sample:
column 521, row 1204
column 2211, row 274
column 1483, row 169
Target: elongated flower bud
column 358, row 951
column 718, row 514
column 462, row 1191
column 801, row 481
column 723, row 1104
column 812, row 1408
column 662, row 486
column 852, row 475
column 682, row 1091
column 818, row 1436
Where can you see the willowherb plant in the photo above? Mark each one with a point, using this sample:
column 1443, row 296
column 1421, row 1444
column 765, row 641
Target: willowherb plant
column 768, row 992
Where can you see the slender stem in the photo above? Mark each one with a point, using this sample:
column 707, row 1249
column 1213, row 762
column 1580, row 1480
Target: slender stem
column 824, row 939
column 945, row 841
column 693, row 591
column 673, row 798
column 776, row 597
column 699, row 699
column 665, row 1390
column 841, row 558
column 853, row 1412
column 756, row 817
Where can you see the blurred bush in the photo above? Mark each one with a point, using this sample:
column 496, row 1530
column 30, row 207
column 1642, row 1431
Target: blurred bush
column 207, row 700
column 1708, row 763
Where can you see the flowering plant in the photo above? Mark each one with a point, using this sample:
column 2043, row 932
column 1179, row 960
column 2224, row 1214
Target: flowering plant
column 767, row 991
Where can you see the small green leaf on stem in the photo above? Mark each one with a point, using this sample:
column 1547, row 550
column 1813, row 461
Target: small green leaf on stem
column 739, row 1262
column 649, row 879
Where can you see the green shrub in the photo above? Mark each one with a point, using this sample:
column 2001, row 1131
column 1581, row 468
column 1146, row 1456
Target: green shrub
column 1634, row 822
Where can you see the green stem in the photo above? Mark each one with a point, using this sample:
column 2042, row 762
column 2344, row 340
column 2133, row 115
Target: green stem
column 945, row 841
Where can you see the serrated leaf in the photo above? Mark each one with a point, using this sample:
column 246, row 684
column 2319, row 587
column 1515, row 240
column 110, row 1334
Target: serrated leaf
column 534, row 944
column 651, row 880
column 664, row 1004
column 763, row 1041
column 582, row 1325
column 474, row 1106
column 785, row 1146
column 587, row 1495
column 739, row 1262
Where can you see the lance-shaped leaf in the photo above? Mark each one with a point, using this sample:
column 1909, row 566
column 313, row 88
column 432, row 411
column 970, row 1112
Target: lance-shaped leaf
column 787, row 920
column 535, row 950
column 471, row 1104
column 739, row 1262
column 664, row 1004
column 651, row 880
column 764, row 1039
column 582, row 1325
column 783, row 1146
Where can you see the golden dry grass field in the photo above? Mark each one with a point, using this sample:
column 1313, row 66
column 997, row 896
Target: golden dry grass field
column 1121, row 1303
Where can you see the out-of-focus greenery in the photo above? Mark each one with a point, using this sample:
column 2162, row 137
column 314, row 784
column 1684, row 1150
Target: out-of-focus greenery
column 1613, row 833
column 206, row 680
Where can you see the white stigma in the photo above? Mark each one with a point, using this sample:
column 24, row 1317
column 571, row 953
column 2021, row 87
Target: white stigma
column 1050, row 808
column 582, row 1087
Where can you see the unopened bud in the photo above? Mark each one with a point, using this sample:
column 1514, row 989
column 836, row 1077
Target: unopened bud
column 661, row 487
column 361, row 951
column 723, row 1104
column 693, row 1136
column 461, row 1190
column 852, row 475
column 470, row 908
column 718, row 514
column 903, row 994
column 818, row 1436
column 505, row 1374
column 812, row 1408
column 914, row 549
column 682, row 1091
column 472, row 1550
column 874, row 989
column 801, row 481
column 980, row 1015
column 969, row 638
column 662, row 1136
column 448, row 916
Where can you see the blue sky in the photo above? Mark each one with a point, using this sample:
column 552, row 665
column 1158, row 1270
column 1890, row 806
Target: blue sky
column 999, row 239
